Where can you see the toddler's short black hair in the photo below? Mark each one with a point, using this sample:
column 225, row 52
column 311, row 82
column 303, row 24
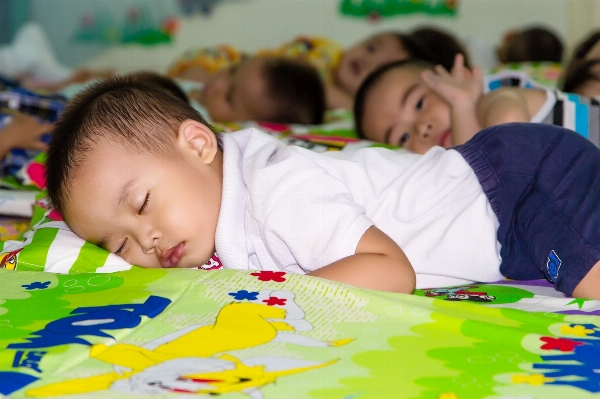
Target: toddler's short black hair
column 578, row 73
column 534, row 44
column 370, row 82
column 138, row 115
column 583, row 48
column 441, row 45
column 161, row 81
column 296, row 90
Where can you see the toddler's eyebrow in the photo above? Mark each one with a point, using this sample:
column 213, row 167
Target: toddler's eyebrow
column 125, row 192
column 407, row 93
column 388, row 132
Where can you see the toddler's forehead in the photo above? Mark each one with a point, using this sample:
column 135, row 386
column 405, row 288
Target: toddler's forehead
column 402, row 75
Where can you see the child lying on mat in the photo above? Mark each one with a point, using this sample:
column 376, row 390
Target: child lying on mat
column 417, row 106
column 137, row 171
column 273, row 89
column 342, row 70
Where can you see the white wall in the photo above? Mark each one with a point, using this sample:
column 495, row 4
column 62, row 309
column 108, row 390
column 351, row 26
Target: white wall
column 253, row 24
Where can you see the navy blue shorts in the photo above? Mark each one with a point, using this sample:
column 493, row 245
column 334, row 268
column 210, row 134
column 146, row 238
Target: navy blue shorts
column 543, row 183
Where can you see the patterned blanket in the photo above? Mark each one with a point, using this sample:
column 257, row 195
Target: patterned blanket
column 243, row 334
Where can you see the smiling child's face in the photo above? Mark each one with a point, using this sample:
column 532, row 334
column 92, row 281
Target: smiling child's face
column 400, row 109
column 364, row 57
column 151, row 210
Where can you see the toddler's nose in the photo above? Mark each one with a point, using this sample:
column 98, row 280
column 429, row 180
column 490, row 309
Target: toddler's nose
column 149, row 241
column 423, row 129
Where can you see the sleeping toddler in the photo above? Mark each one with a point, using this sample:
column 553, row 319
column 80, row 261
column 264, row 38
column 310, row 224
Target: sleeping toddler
column 273, row 89
column 417, row 106
column 137, row 171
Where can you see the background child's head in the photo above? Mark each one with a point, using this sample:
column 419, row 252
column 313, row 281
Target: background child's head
column 267, row 89
column 427, row 43
column 589, row 48
column 442, row 46
column 395, row 106
column 529, row 45
column 583, row 77
column 364, row 57
column 136, row 170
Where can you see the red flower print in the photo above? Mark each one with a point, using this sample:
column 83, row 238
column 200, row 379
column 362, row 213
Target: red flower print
column 267, row 275
column 273, row 300
column 561, row 344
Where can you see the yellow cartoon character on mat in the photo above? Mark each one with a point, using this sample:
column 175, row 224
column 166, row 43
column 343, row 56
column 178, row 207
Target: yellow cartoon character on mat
column 195, row 360
column 9, row 260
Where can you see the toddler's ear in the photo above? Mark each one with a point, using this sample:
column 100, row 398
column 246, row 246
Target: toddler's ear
column 199, row 139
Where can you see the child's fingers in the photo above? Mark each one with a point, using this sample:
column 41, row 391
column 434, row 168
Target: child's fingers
column 437, row 84
column 441, row 71
column 458, row 68
column 430, row 78
column 477, row 74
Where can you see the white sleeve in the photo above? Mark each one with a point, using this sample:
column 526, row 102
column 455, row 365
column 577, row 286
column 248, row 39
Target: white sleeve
column 307, row 217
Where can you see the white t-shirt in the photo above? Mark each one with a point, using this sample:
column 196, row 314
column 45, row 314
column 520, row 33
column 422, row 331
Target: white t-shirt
column 290, row 209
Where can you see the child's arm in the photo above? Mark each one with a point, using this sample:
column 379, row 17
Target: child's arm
column 509, row 104
column 462, row 90
column 22, row 132
column 378, row 263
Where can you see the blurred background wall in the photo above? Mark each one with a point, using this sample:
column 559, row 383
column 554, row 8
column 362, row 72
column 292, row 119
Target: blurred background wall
column 253, row 24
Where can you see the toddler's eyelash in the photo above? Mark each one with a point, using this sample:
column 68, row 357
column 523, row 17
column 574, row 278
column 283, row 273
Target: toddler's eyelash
column 118, row 251
column 403, row 139
column 144, row 205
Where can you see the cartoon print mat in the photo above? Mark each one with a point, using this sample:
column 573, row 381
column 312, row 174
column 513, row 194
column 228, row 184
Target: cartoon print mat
column 242, row 334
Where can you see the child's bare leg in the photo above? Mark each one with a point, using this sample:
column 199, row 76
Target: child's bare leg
column 589, row 287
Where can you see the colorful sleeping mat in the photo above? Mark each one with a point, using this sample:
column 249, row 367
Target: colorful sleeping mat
column 243, row 334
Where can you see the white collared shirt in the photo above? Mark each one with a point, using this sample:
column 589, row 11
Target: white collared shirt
column 290, row 209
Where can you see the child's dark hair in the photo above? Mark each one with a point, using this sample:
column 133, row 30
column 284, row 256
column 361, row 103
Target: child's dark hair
column 371, row 80
column 296, row 91
column 578, row 73
column 582, row 50
column 533, row 44
column 441, row 45
column 162, row 81
column 123, row 110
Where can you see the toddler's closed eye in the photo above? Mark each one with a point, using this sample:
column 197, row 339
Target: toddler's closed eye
column 145, row 204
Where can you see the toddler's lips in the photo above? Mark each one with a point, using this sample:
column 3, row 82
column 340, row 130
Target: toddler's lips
column 444, row 139
column 172, row 256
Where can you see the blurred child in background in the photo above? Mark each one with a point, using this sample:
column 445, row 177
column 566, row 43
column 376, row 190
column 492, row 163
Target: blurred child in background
column 582, row 75
column 535, row 50
column 342, row 70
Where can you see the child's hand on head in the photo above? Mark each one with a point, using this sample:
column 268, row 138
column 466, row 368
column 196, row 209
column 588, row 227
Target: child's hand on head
column 23, row 131
column 460, row 87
